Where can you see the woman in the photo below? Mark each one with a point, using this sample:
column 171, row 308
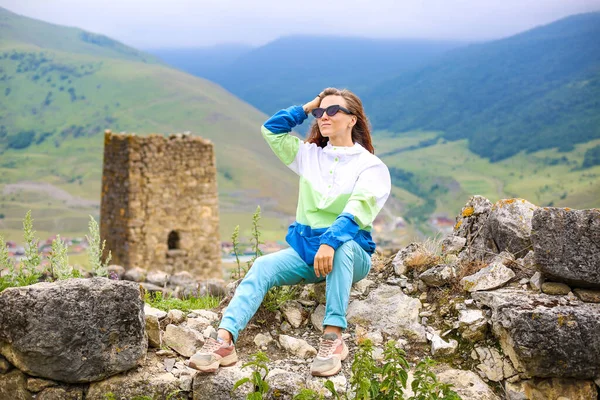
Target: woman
column 343, row 186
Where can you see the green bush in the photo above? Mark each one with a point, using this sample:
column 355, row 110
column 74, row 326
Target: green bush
column 21, row 140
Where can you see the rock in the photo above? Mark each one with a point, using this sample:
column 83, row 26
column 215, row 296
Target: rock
column 262, row 341
column 493, row 365
column 509, row 226
column 218, row 386
column 117, row 269
column 198, row 323
column 467, row 384
column 298, row 347
column 4, row 365
column 169, row 363
column 153, row 331
column 400, row 268
column 555, row 288
column 397, row 314
column 589, row 296
column 361, row 287
column 470, row 225
column 340, row 384
column 526, row 265
column 285, row 327
column 95, row 328
column 183, row 340
column 472, row 324
column 182, row 279
column 293, row 312
column 152, row 288
column 453, row 244
column 208, row 331
column 536, row 281
column 283, row 384
column 438, row 276
column 158, row 278
column 209, row 315
column 414, row 256
column 165, row 353
column 60, row 393
column 320, row 290
column 149, row 310
column 555, row 388
column 135, row 274
column 36, row 385
column 176, row 316
column 13, row 386
column 575, row 233
column 543, row 335
column 490, row 277
column 317, row 317
column 149, row 380
column 439, row 347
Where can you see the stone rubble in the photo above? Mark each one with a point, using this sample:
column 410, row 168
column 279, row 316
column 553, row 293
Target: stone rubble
column 496, row 333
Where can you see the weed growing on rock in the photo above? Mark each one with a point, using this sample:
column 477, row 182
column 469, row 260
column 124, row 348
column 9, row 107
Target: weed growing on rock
column 32, row 257
column 235, row 240
column 276, row 296
column 258, row 363
column 393, row 372
column 157, row 300
column 59, row 260
column 427, row 387
column 96, row 249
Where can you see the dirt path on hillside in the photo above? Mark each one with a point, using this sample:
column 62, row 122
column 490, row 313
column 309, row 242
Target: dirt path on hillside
column 50, row 190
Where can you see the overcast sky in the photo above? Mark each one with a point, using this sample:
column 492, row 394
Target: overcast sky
column 188, row 23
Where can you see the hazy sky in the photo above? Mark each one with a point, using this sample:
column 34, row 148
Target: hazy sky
column 188, row 23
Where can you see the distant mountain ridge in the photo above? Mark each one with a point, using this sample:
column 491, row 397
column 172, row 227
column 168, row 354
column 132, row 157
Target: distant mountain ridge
column 294, row 69
column 535, row 90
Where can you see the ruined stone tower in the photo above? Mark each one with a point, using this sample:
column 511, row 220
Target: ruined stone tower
column 159, row 206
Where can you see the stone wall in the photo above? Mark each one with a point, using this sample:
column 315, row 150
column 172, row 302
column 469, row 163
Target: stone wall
column 159, row 205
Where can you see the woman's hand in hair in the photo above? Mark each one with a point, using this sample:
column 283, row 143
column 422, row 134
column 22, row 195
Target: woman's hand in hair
column 324, row 260
column 311, row 105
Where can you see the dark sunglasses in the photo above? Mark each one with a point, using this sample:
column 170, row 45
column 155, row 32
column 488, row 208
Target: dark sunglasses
column 331, row 111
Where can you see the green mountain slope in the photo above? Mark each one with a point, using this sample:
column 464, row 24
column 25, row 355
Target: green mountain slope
column 20, row 30
column 55, row 104
column 536, row 90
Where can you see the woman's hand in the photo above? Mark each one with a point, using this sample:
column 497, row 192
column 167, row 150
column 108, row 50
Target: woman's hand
column 324, row 260
column 311, row 105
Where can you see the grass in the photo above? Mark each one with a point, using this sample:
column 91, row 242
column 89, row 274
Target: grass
column 157, row 300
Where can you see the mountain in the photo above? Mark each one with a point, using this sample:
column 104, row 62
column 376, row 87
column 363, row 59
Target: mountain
column 535, row 90
column 202, row 61
column 294, row 69
column 60, row 88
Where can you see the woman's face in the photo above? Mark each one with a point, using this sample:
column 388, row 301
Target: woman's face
column 339, row 124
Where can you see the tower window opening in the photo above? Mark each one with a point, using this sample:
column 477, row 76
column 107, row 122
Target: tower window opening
column 173, row 240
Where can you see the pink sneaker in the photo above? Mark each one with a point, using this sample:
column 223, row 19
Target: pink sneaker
column 332, row 350
column 214, row 354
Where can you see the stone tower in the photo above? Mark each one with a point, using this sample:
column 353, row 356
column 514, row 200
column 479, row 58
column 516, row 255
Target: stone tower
column 159, row 206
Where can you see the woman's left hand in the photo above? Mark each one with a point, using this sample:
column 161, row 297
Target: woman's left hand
column 324, row 260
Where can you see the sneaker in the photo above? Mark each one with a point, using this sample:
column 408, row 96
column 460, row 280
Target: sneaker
column 332, row 350
column 214, row 354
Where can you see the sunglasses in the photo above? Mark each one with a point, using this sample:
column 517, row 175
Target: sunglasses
column 331, row 111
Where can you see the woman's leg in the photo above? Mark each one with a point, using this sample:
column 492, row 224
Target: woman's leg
column 284, row 267
column 350, row 264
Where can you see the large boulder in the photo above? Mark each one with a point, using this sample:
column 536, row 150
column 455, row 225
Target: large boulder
column 509, row 226
column 77, row 330
column 543, row 335
column 566, row 244
column 470, row 224
column 149, row 379
column 388, row 310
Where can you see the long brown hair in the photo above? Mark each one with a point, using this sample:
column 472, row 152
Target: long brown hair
column 361, row 131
